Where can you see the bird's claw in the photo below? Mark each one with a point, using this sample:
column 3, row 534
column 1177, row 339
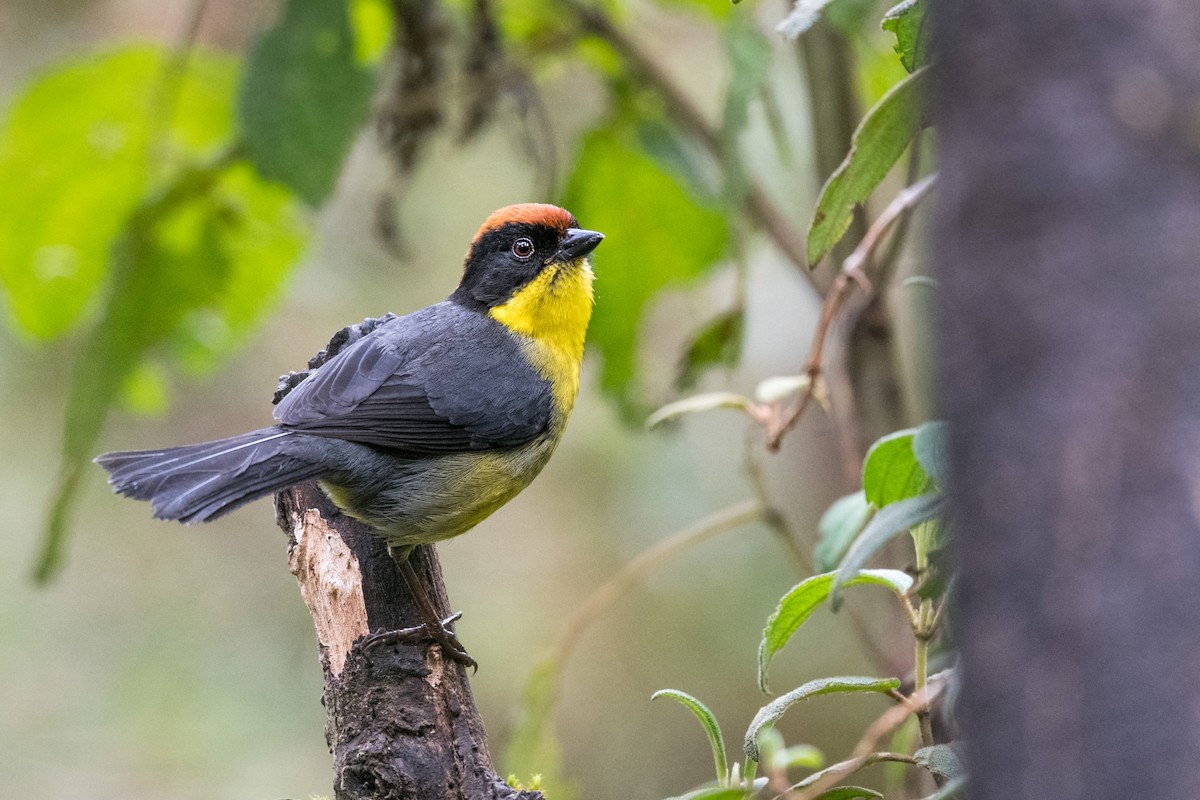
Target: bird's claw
column 426, row 634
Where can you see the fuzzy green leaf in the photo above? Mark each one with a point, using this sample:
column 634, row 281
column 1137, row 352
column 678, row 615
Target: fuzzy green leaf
column 73, row 161
column 942, row 760
column 216, row 240
column 839, row 525
column 929, row 447
column 891, row 471
column 708, row 720
column 770, row 713
column 850, row 793
column 803, row 599
column 907, row 22
column 643, row 252
column 881, row 138
column 890, row 522
column 304, row 97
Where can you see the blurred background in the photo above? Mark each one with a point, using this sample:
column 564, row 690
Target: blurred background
column 169, row 663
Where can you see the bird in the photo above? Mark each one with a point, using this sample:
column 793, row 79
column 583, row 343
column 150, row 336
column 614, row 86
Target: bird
column 427, row 424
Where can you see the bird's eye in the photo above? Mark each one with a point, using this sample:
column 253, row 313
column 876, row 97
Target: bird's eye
column 522, row 248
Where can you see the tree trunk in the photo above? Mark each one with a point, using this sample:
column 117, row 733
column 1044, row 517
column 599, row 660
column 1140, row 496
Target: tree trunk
column 1068, row 253
column 402, row 723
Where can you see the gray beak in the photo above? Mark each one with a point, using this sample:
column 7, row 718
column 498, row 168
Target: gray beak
column 577, row 244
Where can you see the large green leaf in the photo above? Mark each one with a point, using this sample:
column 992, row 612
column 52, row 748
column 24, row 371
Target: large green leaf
column 804, row 598
column 74, row 157
column 890, row 522
column 891, row 471
column 838, row 527
column 882, row 137
column 770, row 713
column 201, row 243
column 709, row 721
column 907, row 22
column 657, row 235
column 304, row 97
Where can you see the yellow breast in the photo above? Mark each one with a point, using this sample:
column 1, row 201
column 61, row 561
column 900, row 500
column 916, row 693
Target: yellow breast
column 552, row 313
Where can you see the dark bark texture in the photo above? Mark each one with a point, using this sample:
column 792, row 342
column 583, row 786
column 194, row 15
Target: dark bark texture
column 1068, row 253
column 402, row 723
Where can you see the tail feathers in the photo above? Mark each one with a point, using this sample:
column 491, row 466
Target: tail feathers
column 200, row 482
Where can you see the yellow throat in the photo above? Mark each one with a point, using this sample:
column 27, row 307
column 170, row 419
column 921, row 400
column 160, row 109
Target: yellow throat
column 553, row 311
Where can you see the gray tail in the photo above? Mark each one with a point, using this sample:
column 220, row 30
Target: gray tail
column 200, row 482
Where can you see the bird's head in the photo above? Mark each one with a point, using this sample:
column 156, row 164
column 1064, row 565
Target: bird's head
column 528, row 269
column 519, row 244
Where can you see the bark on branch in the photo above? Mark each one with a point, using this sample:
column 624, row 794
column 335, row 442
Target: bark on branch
column 402, row 723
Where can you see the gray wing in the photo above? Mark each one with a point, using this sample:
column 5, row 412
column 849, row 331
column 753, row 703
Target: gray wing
column 439, row 380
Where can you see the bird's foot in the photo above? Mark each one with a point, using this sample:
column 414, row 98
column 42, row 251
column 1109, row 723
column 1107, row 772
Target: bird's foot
column 425, row 633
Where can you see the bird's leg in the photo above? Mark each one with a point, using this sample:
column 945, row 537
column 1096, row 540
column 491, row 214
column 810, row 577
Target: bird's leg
column 432, row 628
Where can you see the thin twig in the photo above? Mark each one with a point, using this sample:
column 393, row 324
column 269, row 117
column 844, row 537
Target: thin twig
column 854, row 271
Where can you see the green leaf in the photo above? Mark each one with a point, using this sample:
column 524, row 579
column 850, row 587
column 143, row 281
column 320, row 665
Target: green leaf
column 716, row 9
column 839, row 525
column 891, row 471
column 890, row 522
column 74, row 149
column 850, row 793
column 770, row 713
column 373, row 22
column 304, row 97
column 657, row 235
column 803, row 599
column 803, row 756
column 700, row 402
column 942, row 760
column 907, row 22
column 881, row 138
column 709, row 721
column 929, row 445
column 718, row 343
column 266, row 232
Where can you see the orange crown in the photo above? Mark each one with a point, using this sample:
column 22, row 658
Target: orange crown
column 532, row 213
